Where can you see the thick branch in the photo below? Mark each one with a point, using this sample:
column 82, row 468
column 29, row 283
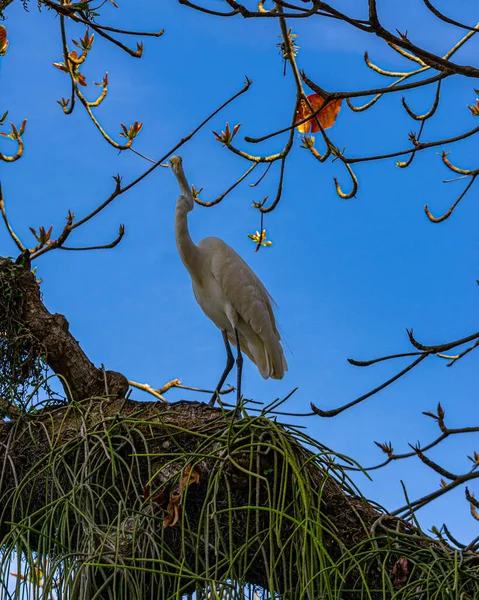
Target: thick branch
column 80, row 378
column 178, row 497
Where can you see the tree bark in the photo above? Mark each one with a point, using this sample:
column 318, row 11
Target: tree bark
column 63, row 354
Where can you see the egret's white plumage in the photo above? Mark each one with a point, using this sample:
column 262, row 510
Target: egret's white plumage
column 228, row 291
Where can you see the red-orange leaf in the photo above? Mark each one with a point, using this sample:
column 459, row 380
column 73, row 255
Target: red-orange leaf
column 326, row 116
column 3, row 40
column 190, row 477
column 173, row 510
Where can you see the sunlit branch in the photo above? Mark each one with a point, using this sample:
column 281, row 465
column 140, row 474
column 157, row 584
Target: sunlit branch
column 408, row 55
column 393, row 86
column 257, row 159
column 145, row 387
column 308, row 144
column 454, row 359
column 384, row 72
column 19, row 153
column 176, row 383
column 70, row 62
column 450, row 211
column 101, row 97
column 13, row 235
column 352, row 193
column 105, row 135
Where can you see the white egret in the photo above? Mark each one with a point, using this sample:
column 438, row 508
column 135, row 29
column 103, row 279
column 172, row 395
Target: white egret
column 230, row 294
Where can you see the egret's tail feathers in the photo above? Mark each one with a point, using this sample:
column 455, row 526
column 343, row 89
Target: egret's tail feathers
column 269, row 358
column 280, row 370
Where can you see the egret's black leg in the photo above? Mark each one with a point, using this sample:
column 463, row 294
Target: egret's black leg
column 229, row 365
column 239, row 367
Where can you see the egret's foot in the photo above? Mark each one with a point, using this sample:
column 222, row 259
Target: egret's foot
column 213, row 399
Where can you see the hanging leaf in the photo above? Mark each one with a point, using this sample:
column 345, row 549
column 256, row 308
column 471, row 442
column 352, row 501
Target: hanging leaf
column 3, row 40
column 190, row 477
column 326, row 116
column 173, row 510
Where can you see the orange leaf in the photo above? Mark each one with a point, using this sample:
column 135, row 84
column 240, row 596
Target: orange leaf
column 190, row 477
column 326, row 116
column 3, row 40
column 173, row 510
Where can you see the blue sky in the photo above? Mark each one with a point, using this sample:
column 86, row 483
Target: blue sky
column 348, row 276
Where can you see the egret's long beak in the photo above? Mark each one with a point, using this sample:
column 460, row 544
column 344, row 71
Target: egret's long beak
column 176, row 164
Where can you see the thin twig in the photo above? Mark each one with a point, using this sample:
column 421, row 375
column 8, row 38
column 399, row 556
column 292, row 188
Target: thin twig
column 147, row 388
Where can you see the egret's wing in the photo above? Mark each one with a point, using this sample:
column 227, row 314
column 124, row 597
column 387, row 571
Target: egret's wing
column 253, row 304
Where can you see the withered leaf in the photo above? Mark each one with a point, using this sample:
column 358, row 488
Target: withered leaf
column 326, row 116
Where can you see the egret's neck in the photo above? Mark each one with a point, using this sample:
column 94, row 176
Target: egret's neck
column 188, row 250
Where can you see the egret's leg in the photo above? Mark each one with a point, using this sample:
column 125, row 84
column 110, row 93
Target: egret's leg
column 229, row 365
column 239, row 367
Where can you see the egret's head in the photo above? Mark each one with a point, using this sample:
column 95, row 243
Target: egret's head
column 176, row 164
